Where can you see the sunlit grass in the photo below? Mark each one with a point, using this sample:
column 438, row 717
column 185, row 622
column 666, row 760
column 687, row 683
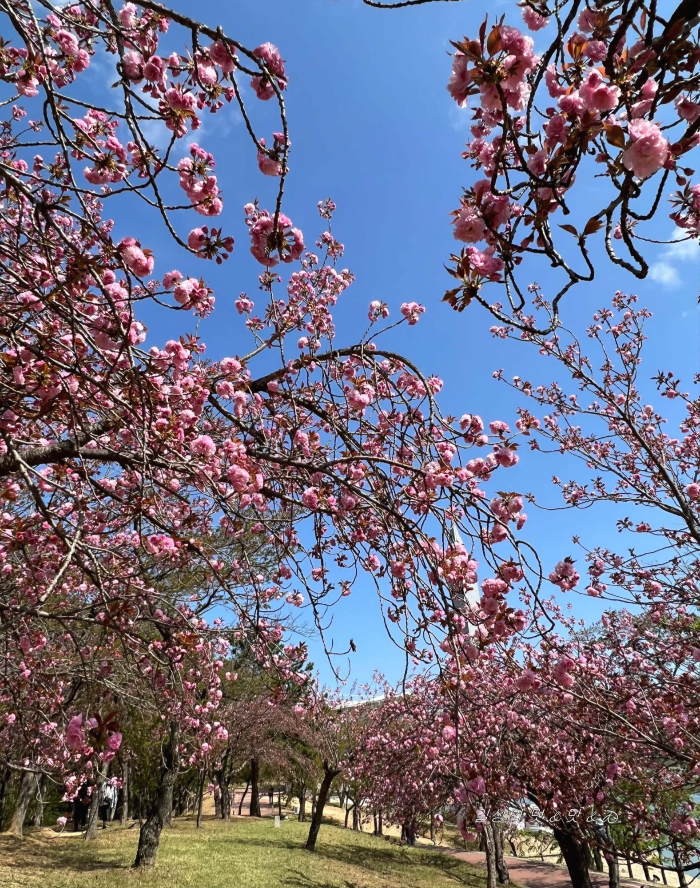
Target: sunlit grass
column 241, row 854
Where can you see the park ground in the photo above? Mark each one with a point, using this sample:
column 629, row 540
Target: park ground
column 245, row 853
column 252, row 853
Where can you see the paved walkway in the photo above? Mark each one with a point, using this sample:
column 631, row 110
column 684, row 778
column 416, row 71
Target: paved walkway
column 535, row 874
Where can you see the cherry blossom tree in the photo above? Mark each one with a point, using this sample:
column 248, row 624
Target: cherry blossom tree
column 119, row 460
column 404, row 769
column 614, row 95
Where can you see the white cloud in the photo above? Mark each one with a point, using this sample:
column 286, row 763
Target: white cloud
column 664, row 274
column 667, row 270
column 460, row 118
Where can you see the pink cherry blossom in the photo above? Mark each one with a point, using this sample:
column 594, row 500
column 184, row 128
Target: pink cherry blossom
column 649, row 150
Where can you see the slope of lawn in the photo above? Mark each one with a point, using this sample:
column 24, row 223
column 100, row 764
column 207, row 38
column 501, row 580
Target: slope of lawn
column 241, row 854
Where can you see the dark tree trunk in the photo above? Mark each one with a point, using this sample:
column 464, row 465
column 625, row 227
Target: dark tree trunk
column 279, row 803
column 645, row 870
column 513, row 849
column 629, row 866
column 4, row 782
column 501, row 867
column 313, row 802
column 302, row 803
column 125, row 793
column 381, row 825
column 663, row 868
column 611, row 857
column 225, row 799
column 575, row 858
column 613, row 871
column 38, row 819
column 149, row 836
column 254, row 810
column 598, row 859
column 200, row 798
column 356, row 817
column 329, row 775
column 682, row 880
column 245, row 793
column 27, row 788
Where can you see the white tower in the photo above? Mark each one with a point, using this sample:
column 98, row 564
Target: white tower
column 465, row 598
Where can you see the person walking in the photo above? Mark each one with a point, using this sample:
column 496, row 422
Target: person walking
column 80, row 808
column 107, row 798
column 271, row 795
column 115, row 796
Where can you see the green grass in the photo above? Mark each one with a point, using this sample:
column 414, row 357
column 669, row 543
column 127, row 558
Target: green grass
column 241, row 854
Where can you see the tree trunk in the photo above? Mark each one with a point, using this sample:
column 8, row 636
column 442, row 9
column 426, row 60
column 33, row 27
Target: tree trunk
column 93, row 813
column 313, row 801
column 645, row 870
column 245, row 793
column 347, row 811
column 6, row 777
column 573, row 854
column 491, row 870
column 149, row 835
column 381, row 825
column 597, row 859
column 254, row 810
column 125, row 794
column 302, row 803
column 356, row 817
column 613, row 865
column 661, row 865
column 629, row 866
column 225, row 799
column 38, row 819
column 200, row 798
column 27, row 787
column 501, row 867
column 92, row 820
column 682, row 880
column 329, row 775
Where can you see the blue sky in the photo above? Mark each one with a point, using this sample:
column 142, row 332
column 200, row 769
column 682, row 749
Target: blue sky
column 373, row 127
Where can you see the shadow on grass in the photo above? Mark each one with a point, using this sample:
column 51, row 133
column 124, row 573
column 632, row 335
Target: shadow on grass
column 79, row 857
column 300, row 880
column 380, row 858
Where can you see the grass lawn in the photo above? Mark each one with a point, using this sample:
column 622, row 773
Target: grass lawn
column 241, row 854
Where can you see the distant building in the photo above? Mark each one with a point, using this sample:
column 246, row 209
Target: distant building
column 466, row 597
